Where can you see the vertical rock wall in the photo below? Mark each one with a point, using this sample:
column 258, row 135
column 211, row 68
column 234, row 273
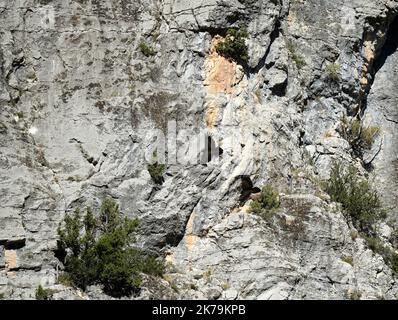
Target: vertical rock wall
column 81, row 107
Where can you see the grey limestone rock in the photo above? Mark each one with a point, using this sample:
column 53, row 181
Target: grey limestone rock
column 81, row 107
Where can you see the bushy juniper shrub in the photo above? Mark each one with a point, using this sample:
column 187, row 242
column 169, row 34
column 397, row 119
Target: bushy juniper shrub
column 363, row 206
column 233, row 46
column 269, row 197
column 267, row 204
column 99, row 250
column 359, row 201
column 156, row 170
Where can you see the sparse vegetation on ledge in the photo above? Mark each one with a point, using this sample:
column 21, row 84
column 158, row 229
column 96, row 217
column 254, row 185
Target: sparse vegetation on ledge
column 43, row 294
column 233, row 46
column 296, row 57
column 390, row 257
column 360, row 137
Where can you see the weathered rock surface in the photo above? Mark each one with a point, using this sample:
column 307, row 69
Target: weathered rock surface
column 80, row 104
column 382, row 111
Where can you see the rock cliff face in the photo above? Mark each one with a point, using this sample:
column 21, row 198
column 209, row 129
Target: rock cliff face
column 82, row 106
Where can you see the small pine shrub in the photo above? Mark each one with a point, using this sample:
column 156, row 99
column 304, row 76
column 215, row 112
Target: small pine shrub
column 332, row 71
column 363, row 206
column 43, row 294
column 233, row 46
column 269, row 198
column 99, row 250
column 146, row 50
column 156, row 170
column 152, row 266
column 267, row 204
column 359, row 201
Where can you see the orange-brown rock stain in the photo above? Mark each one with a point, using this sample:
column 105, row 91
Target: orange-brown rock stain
column 220, row 73
column 189, row 238
column 221, row 76
column 10, row 257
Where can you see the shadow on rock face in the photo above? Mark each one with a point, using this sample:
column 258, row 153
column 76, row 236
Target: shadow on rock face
column 389, row 47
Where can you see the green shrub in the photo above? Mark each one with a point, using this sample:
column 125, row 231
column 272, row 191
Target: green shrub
column 332, row 71
column 269, row 201
column 363, row 205
column 65, row 280
column 156, row 170
column 359, row 136
column 358, row 199
column 99, row 251
column 390, row 257
column 374, row 244
column 153, row 266
column 297, row 58
column 269, row 197
column 256, row 207
column 146, row 50
column 43, row 294
column 233, row 46
column 1, row 296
